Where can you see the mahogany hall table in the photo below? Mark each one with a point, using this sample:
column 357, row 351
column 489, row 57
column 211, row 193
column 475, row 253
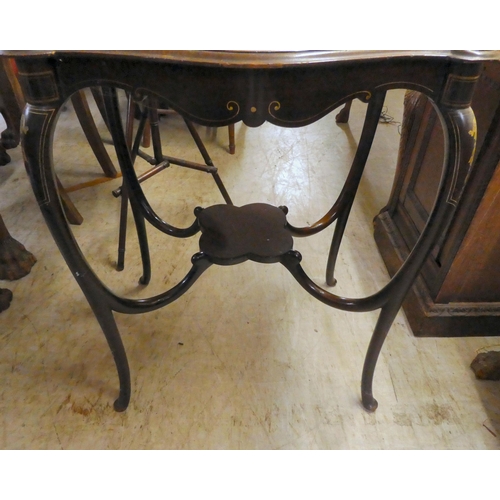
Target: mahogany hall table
column 216, row 88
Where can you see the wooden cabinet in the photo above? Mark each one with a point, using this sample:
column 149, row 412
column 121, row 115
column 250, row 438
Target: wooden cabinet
column 458, row 291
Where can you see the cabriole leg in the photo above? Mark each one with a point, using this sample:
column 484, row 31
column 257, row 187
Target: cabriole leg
column 385, row 320
column 108, row 325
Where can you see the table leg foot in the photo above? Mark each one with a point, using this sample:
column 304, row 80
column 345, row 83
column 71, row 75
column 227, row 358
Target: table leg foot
column 121, row 404
column 369, row 402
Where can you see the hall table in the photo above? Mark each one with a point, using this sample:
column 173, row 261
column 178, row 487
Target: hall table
column 219, row 88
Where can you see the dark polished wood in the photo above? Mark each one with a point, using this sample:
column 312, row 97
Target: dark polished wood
column 457, row 293
column 219, row 88
column 232, row 235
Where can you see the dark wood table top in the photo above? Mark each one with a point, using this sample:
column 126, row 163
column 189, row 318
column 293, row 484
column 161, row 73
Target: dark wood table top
column 256, row 59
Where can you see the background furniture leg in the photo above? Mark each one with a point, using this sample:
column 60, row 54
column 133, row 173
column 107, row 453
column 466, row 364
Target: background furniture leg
column 72, row 213
column 89, row 128
column 15, row 260
column 343, row 116
column 232, row 144
column 11, row 104
column 5, row 299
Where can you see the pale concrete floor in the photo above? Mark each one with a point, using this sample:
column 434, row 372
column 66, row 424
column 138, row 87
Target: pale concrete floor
column 246, row 359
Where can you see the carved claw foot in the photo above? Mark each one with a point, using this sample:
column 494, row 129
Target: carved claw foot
column 9, row 139
column 121, row 403
column 15, row 260
column 5, row 299
column 4, row 157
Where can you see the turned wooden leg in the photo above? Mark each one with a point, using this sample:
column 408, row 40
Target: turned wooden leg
column 232, row 144
column 15, row 260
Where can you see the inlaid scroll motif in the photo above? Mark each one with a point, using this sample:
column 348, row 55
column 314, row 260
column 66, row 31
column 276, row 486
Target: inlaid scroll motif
column 233, row 106
column 275, row 106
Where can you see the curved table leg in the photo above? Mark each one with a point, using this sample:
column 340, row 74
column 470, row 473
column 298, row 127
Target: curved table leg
column 460, row 128
column 106, row 320
column 39, row 127
column 38, row 130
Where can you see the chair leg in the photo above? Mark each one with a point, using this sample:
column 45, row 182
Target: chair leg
column 206, row 157
column 74, row 216
column 87, row 123
column 99, row 100
column 122, row 237
column 89, row 128
column 232, row 144
column 154, row 129
column 160, row 162
column 146, row 138
column 126, row 158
